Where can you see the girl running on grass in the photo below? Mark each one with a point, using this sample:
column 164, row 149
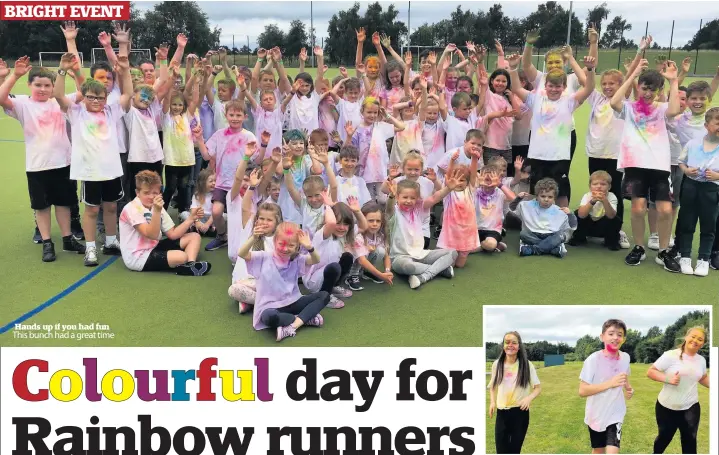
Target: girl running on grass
column 677, row 406
column 512, row 388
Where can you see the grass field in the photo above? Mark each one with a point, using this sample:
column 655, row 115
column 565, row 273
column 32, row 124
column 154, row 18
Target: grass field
column 556, row 423
column 157, row 309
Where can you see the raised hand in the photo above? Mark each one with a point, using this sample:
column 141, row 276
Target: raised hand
column 22, row 66
column 451, row 47
column 592, row 33
column 304, row 239
column 182, row 42
column 498, row 47
column 481, row 52
column 670, row 72
column 627, row 63
column 470, row 47
column 423, row 82
column 104, row 39
column 408, row 59
column 265, row 137
column 121, row 34
column 349, row 129
column 455, row 156
column 386, row 41
column 660, row 62
column 4, row 71
column 343, row 72
column 645, row 43
column 513, row 61
column 303, row 54
column 296, row 87
column 391, row 187
column 276, row 156
column 686, row 65
column 240, row 80
column 255, row 177
column 69, row 30
column 361, row 35
column 335, row 135
column 483, row 78
column 432, row 58
column 197, row 133
column 590, row 62
column 66, row 61
column 262, row 53
column 532, row 36
column 354, row 204
column 326, row 199
column 518, row 163
column 318, row 51
column 566, row 52
column 276, row 54
column 376, row 39
column 250, row 148
column 162, row 51
column 643, row 65
column 394, row 171
column 431, row 175
column 454, row 180
column 361, row 69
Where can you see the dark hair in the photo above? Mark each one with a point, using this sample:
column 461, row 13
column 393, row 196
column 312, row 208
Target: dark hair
column 424, row 54
column 523, row 374
column 305, row 77
column 465, row 78
column 349, row 152
column 391, row 67
column 698, row 86
column 352, row 84
column 144, row 61
column 345, row 215
column 616, row 323
column 474, row 97
column 40, row 72
column 372, row 207
column 459, row 98
column 652, row 79
column 101, row 66
column 493, row 76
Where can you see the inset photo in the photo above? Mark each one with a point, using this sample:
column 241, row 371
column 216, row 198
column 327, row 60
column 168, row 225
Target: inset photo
column 603, row 379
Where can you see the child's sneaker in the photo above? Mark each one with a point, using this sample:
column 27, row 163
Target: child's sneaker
column 624, row 241
column 339, row 291
column 73, row 246
column 414, row 282
column 317, row 321
column 48, row 251
column 448, row 272
column 714, row 260
column 244, row 307
column 577, row 241
column 76, row 230
column 90, row 256
column 284, row 332
column 192, row 268
column 371, row 277
column 353, row 282
column 525, row 250
column 501, row 247
column 636, row 256
column 560, row 251
column 36, row 237
column 112, row 248
column 686, row 266
column 335, row 303
column 669, row 262
column 702, row 268
column 653, row 243
column 217, row 243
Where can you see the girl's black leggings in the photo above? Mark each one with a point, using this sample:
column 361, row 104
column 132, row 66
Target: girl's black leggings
column 669, row 421
column 177, row 178
column 510, row 430
column 335, row 271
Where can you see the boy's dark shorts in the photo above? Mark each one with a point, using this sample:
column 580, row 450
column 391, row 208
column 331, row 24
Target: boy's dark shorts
column 51, row 187
column 556, row 170
column 609, row 437
column 220, row 196
column 640, row 182
column 484, row 234
column 95, row 193
column 157, row 260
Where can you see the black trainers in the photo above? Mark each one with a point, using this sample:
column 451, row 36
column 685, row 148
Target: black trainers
column 371, row 277
column 669, row 261
column 577, row 241
column 353, row 282
column 71, row 245
column 36, row 237
column 112, row 249
column 437, row 231
column 636, row 256
column 76, row 229
column 714, row 260
column 193, row 268
column 48, row 251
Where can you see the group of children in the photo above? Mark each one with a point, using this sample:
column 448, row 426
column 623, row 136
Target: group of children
column 342, row 180
column 604, row 382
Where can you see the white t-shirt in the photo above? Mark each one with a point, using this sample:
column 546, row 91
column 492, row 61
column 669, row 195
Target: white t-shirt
column 645, row 140
column 122, row 137
column 206, row 206
column 597, row 211
column 573, row 86
column 426, row 189
column 239, row 271
column 228, row 149
column 135, row 247
column 457, row 129
column 236, row 233
column 433, row 144
column 689, row 126
column 218, row 114
column 270, row 121
column 145, row 144
column 299, row 172
column 348, row 111
column 608, row 407
column 47, row 145
column 522, row 127
column 95, row 149
column 489, row 207
column 406, row 236
column 443, row 163
column 410, row 138
column 551, row 127
column 352, row 186
column 312, row 219
column 371, row 141
column 604, row 132
column 304, row 112
column 508, row 394
column 177, row 144
column 691, row 369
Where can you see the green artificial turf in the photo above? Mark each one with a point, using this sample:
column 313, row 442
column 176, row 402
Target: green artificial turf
column 161, row 309
column 556, row 422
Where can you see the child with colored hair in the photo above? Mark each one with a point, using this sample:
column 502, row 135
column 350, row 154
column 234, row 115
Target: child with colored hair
column 598, row 215
column 143, row 223
column 373, row 64
column 513, row 386
column 299, row 165
column 489, row 197
column 376, row 241
column 405, row 211
column 545, row 226
column 370, row 139
column 604, row 381
column 279, row 304
column 677, row 407
column 699, row 162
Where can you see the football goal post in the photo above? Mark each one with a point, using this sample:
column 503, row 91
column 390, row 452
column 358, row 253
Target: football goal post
column 136, row 55
column 52, row 59
column 490, row 62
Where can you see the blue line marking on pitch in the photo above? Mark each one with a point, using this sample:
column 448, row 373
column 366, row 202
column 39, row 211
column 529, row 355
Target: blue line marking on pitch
column 59, row 296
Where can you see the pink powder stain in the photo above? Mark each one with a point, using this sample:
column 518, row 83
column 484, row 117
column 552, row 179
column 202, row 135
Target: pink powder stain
column 642, row 107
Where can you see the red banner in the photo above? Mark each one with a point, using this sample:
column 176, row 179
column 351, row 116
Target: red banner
column 64, row 11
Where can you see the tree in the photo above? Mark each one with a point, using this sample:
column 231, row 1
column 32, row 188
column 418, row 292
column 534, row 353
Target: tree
column 631, row 340
column 498, row 23
column 422, row 35
column 586, row 346
column 596, row 15
column 245, row 49
column 653, row 332
column 706, row 38
column 296, row 38
column 649, row 349
column 551, row 21
column 272, row 36
column 614, row 35
column 168, row 19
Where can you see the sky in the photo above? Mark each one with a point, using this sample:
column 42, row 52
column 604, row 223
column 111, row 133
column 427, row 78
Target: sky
column 248, row 18
column 569, row 323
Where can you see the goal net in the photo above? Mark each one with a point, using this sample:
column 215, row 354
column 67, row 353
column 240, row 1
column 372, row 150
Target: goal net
column 136, row 55
column 52, row 59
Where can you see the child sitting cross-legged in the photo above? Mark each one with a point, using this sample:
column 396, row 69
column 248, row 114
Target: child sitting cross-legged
column 597, row 213
column 490, row 195
column 544, row 224
column 142, row 224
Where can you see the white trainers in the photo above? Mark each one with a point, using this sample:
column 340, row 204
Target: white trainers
column 702, row 268
column 624, row 241
column 414, row 282
column 686, row 265
column 90, row 256
column 653, row 243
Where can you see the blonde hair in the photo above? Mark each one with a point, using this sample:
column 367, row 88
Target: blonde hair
column 600, row 175
column 684, row 343
column 147, row 178
column 613, row 73
column 413, row 155
column 556, row 77
column 273, row 208
column 369, row 101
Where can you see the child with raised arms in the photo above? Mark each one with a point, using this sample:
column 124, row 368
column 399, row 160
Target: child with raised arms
column 226, row 147
column 226, row 89
column 375, row 240
column 349, row 107
column 396, row 77
column 301, row 166
column 433, row 142
column 545, row 226
column 677, row 406
column 513, row 386
column 473, row 144
column 374, row 65
column 410, row 138
column 303, row 101
column 489, row 197
column 279, row 304
column 339, row 245
column 498, row 96
column 404, row 212
column 370, row 138
column 143, row 223
column 604, row 382
column 645, row 157
column 47, row 153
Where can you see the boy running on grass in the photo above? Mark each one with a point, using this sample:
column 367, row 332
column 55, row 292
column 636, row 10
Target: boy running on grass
column 604, row 378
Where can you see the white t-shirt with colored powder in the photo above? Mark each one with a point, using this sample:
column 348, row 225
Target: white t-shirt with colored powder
column 228, row 149
column 604, row 132
column 348, row 112
column 645, row 139
column 608, row 407
column 304, row 112
column 135, row 247
column 95, row 149
column 177, row 144
column 551, row 127
column 457, row 129
column 691, row 369
column 508, row 394
column 145, row 144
